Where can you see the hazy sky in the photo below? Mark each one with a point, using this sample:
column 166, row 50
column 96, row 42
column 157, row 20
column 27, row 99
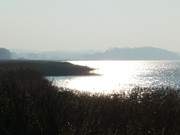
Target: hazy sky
column 89, row 24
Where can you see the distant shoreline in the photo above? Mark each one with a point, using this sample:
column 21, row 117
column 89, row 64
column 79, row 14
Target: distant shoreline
column 46, row 67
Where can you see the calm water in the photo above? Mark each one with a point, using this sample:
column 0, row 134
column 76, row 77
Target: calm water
column 116, row 76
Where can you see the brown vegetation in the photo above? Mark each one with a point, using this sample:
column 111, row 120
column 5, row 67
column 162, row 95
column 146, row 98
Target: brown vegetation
column 31, row 105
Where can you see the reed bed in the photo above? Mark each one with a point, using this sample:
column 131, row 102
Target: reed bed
column 32, row 105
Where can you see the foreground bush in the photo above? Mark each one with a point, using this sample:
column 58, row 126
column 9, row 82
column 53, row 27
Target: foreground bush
column 31, row 105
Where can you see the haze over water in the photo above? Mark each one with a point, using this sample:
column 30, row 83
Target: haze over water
column 115, row 76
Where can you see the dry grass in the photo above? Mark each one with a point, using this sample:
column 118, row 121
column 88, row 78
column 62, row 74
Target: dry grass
column 31, row 105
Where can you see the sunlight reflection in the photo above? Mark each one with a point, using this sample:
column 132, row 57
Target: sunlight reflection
column 118, row 75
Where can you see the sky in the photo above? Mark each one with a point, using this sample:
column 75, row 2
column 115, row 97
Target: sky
column 79, row 25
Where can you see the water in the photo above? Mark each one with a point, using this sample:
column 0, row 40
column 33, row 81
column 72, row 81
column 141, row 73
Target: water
column 115, row 76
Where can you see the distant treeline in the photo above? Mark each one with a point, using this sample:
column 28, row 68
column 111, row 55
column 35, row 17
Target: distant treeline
column 31, row 105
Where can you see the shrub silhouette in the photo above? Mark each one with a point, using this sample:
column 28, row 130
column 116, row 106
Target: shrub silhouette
column 31, row 105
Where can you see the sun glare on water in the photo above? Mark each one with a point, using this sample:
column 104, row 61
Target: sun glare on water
column 112, row 76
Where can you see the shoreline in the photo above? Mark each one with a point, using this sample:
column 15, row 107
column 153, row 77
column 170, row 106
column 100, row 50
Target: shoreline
column 46, row 68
